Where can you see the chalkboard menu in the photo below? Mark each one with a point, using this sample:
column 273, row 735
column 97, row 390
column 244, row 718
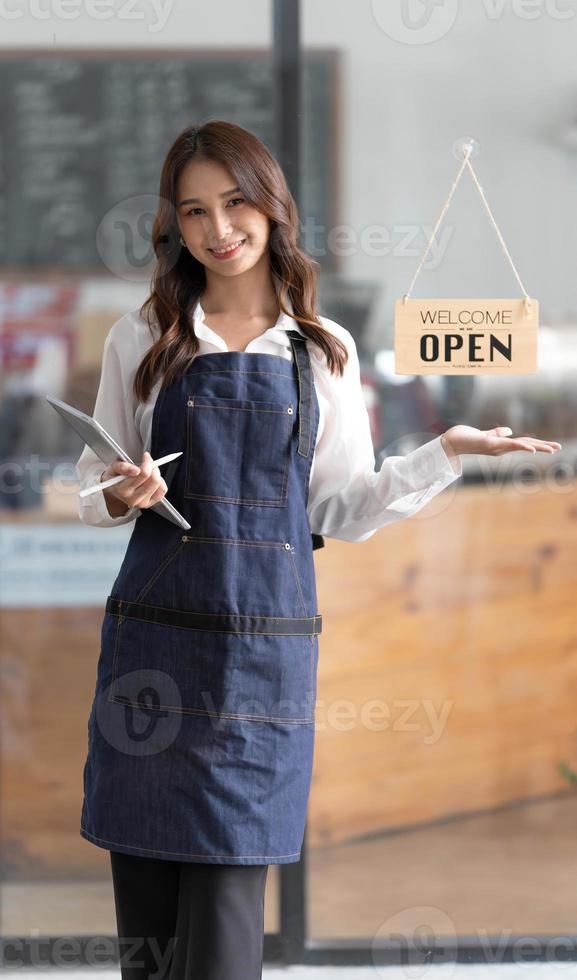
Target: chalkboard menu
column 81, row 131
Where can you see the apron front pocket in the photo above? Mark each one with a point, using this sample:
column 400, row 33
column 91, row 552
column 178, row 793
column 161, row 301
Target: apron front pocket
column 249, row 676
column 222, row 628
column 219, row 431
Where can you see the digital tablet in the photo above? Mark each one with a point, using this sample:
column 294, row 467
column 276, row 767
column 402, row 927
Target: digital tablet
column 108, row 450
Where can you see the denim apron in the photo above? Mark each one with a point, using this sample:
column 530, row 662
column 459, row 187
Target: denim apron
column 200, row 736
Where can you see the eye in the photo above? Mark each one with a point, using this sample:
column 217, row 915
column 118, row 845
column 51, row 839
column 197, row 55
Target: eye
column 231, row 201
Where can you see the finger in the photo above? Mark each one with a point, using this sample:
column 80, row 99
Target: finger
column 521, row 443
column 156, row 495
column 120, row 468
column 509, row 445
column 145, row 471
column 547, row 442
column 506, row 431
column 152, row 482
column 539, row 442
column 528, row 445
column 540, row 445
column 129, row 468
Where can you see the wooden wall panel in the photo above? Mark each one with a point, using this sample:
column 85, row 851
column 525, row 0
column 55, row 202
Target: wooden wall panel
column 469, row 607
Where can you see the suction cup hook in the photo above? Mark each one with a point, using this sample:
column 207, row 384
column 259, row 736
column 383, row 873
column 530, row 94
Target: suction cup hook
column 464, row 144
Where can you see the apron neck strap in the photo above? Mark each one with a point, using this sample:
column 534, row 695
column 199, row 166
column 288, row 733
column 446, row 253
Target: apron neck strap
column 304, row 377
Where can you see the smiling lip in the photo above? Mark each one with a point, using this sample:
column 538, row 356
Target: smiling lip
column 231, row 253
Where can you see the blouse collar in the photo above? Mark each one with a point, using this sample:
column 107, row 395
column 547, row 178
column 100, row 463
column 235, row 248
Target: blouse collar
column 277, row 333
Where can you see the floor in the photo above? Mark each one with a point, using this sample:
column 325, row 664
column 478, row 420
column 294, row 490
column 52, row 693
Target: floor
column 504, row 874
column 537, row 971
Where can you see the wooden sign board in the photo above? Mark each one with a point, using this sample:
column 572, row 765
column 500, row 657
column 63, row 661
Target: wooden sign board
column 466, row 336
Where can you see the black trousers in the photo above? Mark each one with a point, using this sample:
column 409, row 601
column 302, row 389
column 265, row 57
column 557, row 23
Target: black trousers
column 179, row 920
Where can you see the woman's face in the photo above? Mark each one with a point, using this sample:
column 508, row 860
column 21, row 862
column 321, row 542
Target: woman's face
column 212, row 214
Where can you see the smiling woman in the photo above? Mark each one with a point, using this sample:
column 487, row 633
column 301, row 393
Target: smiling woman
column 213, row 635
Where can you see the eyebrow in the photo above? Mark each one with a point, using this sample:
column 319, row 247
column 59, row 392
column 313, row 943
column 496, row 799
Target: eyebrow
column 196, row 200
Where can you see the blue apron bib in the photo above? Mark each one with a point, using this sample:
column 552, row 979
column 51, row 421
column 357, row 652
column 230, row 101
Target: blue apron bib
column 201, row 732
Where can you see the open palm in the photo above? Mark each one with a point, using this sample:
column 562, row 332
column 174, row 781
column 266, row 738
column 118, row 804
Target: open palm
column 494, row 442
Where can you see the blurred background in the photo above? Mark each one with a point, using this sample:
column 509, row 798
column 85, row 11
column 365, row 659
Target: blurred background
column 443, row 796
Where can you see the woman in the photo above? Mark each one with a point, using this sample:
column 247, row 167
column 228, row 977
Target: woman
column 201, row 731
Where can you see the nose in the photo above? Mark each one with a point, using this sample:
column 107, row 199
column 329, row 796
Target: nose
column 220, row 228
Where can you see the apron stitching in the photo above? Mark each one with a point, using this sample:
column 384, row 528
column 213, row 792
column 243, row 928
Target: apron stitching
column 146, row 588
column 194, row 495
column 213, row 371
column 114, row 659
column 211, row 629
column 297, row 581
column 245, row 541
column 127, row 702
column 237, row 408
column 159, row 850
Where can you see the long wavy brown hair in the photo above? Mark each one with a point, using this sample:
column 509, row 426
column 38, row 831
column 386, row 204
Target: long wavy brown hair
column 179, row 279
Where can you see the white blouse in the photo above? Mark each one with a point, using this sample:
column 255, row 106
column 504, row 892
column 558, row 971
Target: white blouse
column 348, row 499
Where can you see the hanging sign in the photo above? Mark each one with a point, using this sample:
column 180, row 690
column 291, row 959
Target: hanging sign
column 466, row 336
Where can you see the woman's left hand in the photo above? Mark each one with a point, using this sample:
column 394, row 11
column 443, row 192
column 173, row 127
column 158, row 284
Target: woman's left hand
column 492, row 442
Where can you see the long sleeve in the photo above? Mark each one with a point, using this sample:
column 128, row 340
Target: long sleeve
column 114, row 409
column 348, row 498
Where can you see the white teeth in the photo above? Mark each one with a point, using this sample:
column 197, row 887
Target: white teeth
column 230, row 248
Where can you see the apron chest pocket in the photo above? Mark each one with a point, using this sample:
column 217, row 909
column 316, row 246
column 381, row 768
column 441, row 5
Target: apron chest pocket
column 238, row 451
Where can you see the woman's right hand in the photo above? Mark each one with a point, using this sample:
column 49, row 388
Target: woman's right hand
column 143, row 487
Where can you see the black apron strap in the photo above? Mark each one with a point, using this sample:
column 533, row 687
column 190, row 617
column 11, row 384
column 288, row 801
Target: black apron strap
column 304, row 373
column 214, row 622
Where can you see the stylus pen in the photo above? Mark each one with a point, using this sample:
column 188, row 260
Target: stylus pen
column 124, row 476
